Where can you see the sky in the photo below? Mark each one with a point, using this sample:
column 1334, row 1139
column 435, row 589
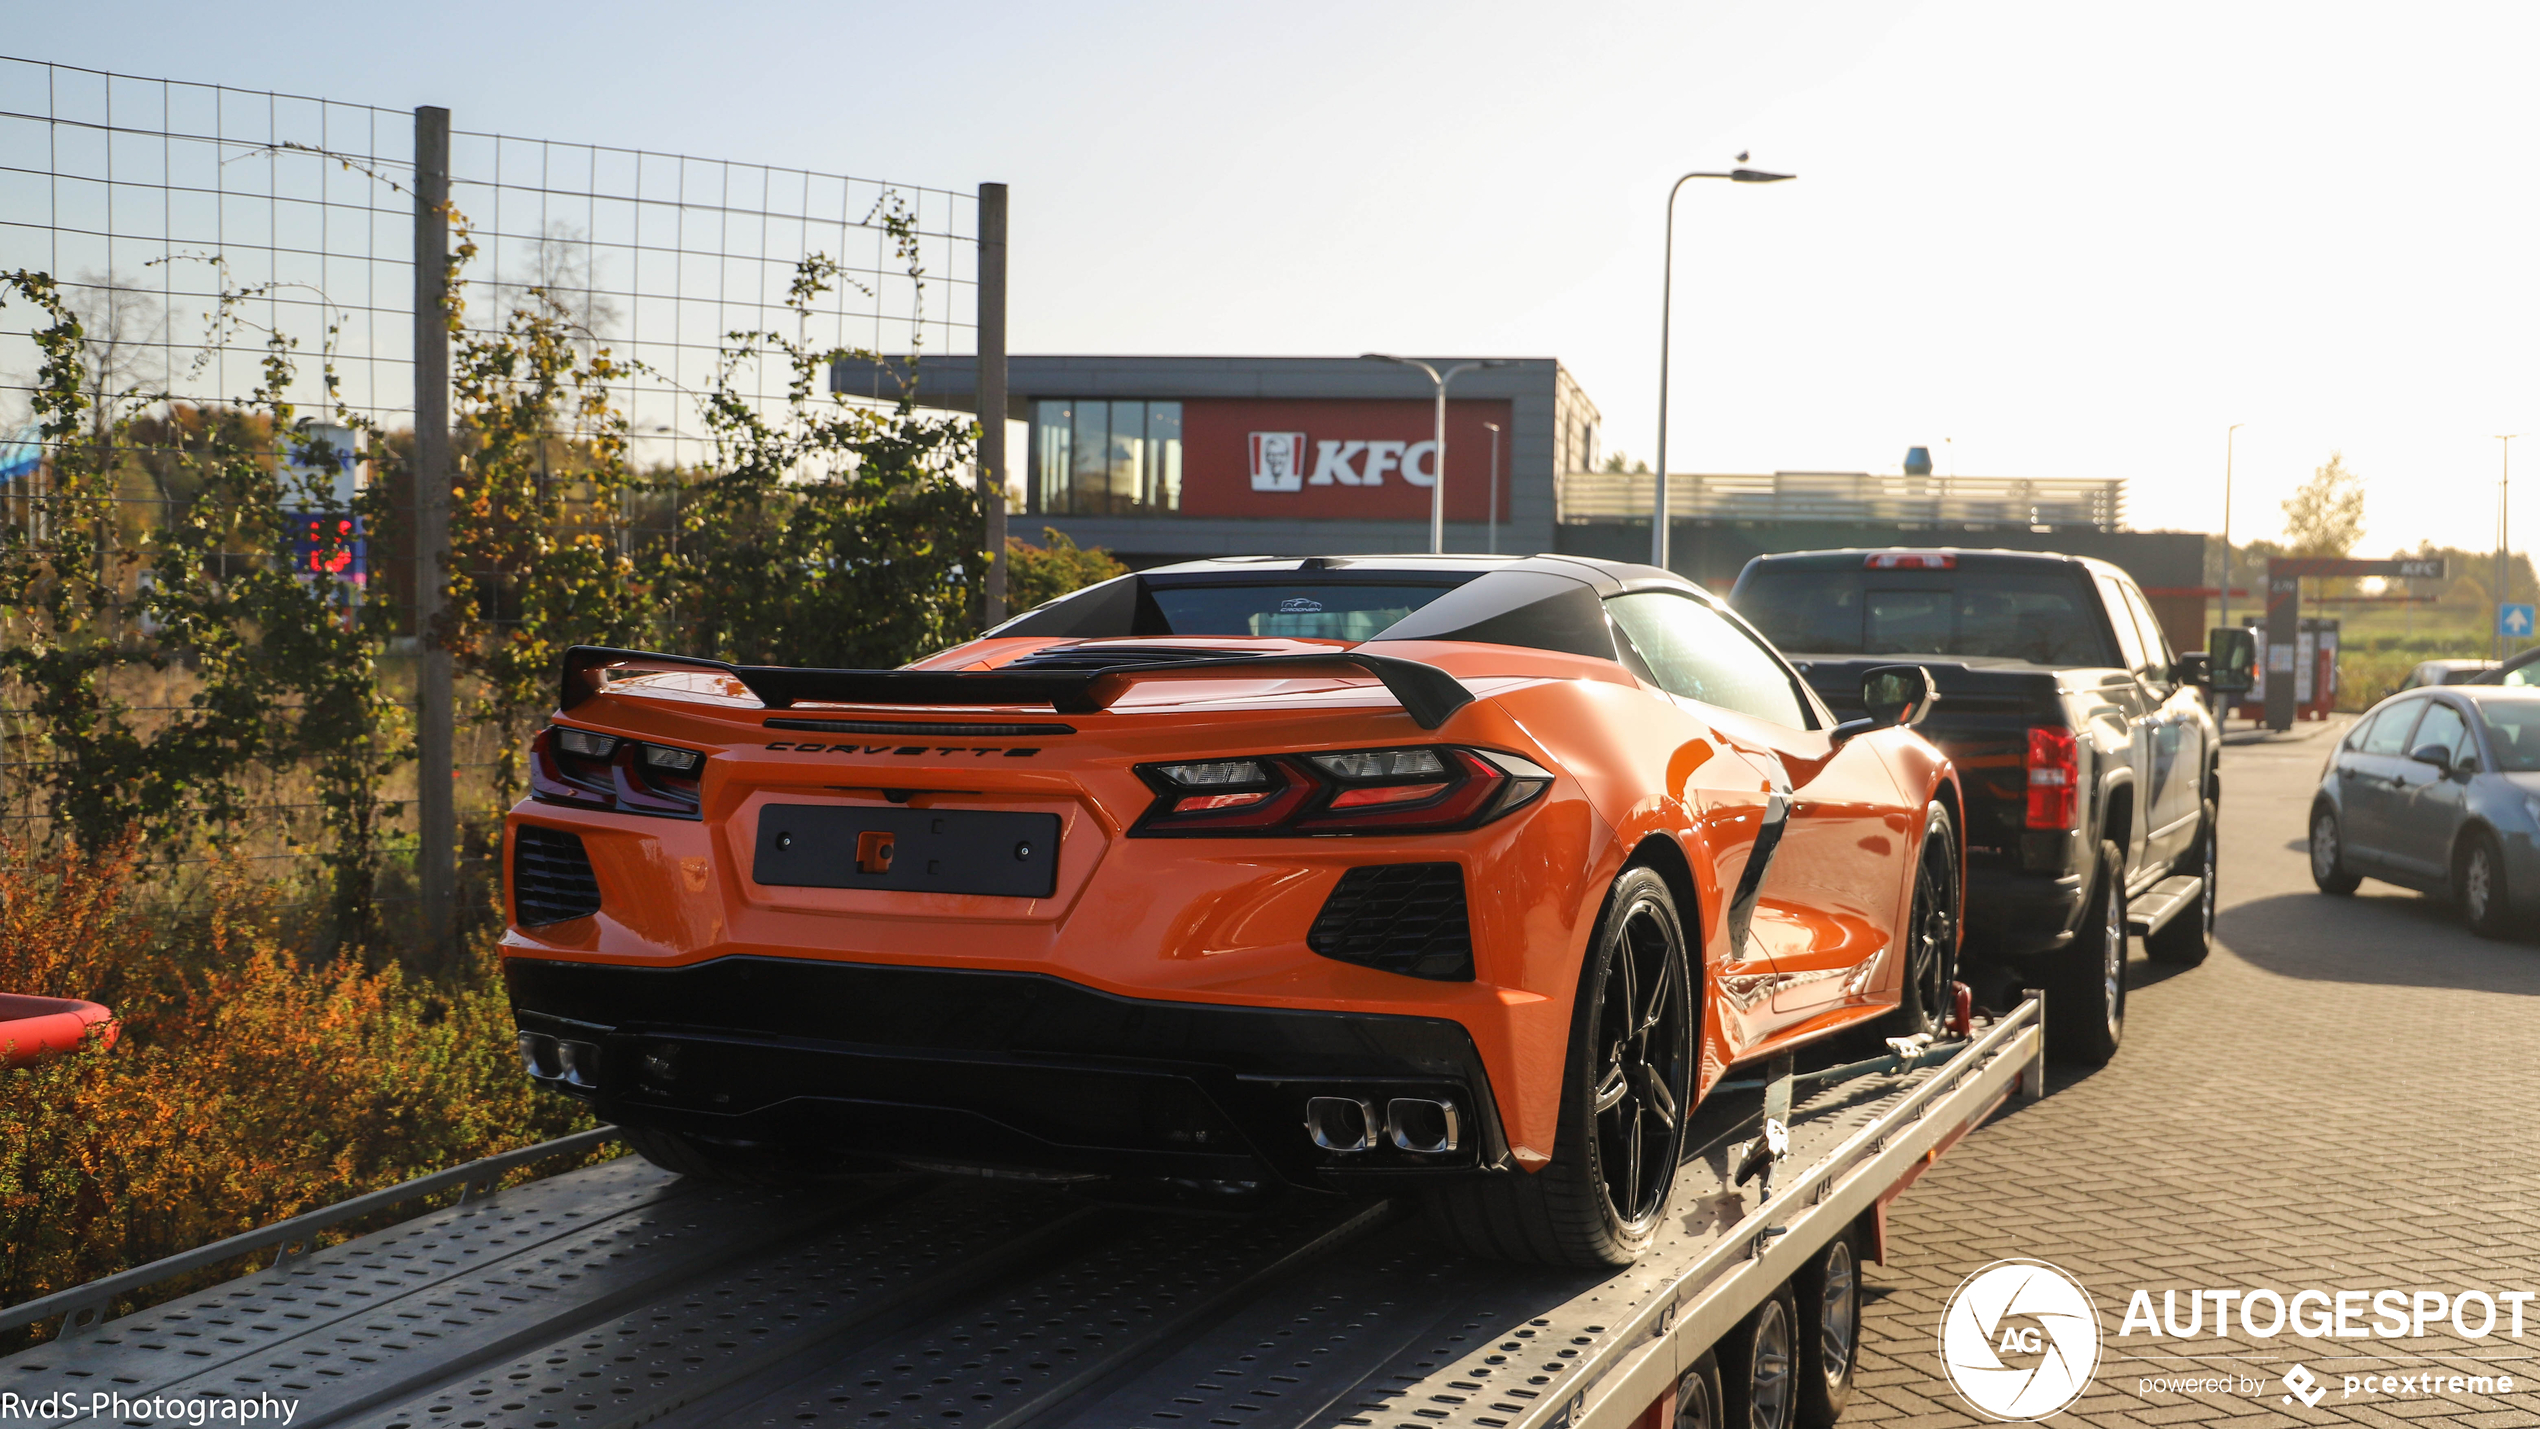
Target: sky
column 2043, row 240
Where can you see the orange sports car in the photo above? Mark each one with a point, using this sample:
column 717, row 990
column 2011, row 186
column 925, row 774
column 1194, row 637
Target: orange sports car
column 1457, row 874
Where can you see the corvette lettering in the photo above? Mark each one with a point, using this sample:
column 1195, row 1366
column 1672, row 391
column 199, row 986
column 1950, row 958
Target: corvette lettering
column 981, row 751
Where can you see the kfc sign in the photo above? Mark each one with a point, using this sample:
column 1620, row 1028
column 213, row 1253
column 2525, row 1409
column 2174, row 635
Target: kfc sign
column 1337, row 459
column 1278, row 465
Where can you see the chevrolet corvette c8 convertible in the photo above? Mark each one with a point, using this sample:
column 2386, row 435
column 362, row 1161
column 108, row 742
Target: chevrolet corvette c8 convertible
column 1463, row 875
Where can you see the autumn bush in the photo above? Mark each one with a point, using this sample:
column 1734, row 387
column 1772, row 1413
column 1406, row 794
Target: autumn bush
column 248, row 1085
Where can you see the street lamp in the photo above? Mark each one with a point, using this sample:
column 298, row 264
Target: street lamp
column 2230, row 433
column 2504, row 493
column 1666, row 304
column 1493, row 428
column 1437, row 468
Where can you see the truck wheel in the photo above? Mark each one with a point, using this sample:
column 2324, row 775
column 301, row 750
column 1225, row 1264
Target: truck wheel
column 2085, row 1005
column 2478, row 886
column 1624, row 1103
column 1757, row 1385
column 731, row 1163
column 2328, row 855
column 2183, row 941
column 1828, row 1289
column 1698, row 1395
column 1931, row 931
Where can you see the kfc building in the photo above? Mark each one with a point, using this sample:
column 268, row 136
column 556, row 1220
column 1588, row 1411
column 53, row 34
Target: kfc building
column 1170, row 458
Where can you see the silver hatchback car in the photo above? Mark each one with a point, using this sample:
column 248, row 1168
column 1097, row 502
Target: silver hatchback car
column 2439, row 790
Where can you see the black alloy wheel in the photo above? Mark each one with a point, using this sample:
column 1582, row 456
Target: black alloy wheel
column 1644, row 1081
column 1930, row 993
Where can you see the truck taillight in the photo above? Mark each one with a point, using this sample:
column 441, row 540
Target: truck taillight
column 2054, row 772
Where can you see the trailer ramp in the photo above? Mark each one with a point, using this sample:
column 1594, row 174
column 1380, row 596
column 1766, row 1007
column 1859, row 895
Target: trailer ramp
column 620, row 1295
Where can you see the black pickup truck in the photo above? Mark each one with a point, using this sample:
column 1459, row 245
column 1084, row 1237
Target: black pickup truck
column 2083, row 744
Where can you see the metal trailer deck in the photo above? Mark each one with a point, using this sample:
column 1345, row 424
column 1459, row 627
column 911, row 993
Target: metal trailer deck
column 621, row 1295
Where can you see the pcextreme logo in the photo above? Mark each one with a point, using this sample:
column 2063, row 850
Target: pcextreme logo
column 1279, row 462
column 2020, row 1339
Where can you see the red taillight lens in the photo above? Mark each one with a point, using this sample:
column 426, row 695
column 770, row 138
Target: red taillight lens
column 2054, row 774
column 1420, row 789
column 601, row 771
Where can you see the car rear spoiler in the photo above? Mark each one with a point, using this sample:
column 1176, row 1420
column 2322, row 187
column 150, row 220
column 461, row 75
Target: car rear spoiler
column 1428, row 694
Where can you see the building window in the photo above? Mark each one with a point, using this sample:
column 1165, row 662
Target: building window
column 1096, row 458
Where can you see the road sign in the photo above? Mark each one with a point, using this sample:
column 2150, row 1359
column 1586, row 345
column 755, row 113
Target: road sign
column 2514, row 620
column 2409, row 570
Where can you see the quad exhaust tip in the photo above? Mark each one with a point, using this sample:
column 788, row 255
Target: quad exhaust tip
column 1422, row 1125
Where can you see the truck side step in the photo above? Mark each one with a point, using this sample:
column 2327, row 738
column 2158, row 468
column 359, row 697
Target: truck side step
column 2147, row 912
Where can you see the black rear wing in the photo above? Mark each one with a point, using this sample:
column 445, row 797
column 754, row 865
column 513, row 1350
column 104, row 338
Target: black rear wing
column 1428, row 694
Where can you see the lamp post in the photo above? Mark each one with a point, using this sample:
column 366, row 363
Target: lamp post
column 1666, row 303
column 2504, row 571
column 2230, row 434
column 1493, row 428
column 1437, row 468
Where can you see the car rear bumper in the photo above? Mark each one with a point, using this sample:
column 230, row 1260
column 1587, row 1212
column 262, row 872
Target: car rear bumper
column 1000, row 1070
column 2011, row 914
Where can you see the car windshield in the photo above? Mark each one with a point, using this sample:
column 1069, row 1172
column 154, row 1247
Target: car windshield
column 2045, row 617
column 1305, row 609
column 2513, row 729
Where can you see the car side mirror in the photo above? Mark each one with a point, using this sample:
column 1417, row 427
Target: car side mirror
column 2231, row 660
column 2195, row 667
column 1896, row 696
column 2433, row 754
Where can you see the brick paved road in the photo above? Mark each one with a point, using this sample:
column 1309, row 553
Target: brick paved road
column 2343, row 1096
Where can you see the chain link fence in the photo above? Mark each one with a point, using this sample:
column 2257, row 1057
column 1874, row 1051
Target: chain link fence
column 196, row 230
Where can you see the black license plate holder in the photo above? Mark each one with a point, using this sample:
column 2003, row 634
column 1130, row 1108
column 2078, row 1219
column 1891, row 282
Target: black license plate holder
column 991, row 851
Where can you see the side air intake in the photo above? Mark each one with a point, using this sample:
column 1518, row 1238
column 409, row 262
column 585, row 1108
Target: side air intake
column 1403, row 918
column 551, row 876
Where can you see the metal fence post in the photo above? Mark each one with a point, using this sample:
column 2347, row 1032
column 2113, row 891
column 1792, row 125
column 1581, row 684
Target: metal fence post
column 992, row 464
column 436, row 814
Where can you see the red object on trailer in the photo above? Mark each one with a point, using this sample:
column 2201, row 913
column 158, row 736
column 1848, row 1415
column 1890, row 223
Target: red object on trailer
column 34, row 1028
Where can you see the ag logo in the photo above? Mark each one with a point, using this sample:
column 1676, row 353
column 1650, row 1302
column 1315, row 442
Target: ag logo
column 2020, row 1339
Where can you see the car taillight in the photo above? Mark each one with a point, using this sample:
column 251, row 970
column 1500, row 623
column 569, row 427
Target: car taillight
column 590, row 770
column 2054, row 771
column 1420, row 789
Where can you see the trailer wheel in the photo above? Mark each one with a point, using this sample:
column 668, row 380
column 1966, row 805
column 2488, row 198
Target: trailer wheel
column 1698, row 1395
column 1828, row 1289
column 1624, row 1102
column 2085, row 1011
column 2184, row 940
column 1758, row 1386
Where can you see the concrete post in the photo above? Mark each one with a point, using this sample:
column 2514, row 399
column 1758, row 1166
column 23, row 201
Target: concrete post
column 992, row 459
column 436, row 812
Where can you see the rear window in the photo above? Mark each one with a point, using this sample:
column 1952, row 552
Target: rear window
column 2045, row 617
column 2513, row 727
column 1296, row 610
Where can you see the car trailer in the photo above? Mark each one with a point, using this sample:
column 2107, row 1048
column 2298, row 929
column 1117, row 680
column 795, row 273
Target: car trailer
column 620, row 1295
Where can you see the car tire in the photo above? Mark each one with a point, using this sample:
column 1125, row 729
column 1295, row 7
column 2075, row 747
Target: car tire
column 1759, row 1363
column 2478, row 886
column 2085, row 1004
column 1698, row 1395
column 1931, row 937
column 2328, row 855
column 1626, row 1096
column 1827, row 1291
column 730, row 1163
column 2184, row 940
